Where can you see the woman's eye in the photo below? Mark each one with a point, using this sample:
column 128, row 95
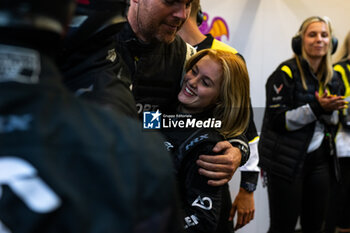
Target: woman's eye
column 205, row 83
column 193, row 71
column 169, row 1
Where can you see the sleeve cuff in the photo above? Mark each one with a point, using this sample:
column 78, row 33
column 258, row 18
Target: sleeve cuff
column 317, row 109
column 243, row 147
column 249, row 180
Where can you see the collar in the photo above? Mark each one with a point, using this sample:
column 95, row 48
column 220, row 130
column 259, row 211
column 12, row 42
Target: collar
column 127, row 35
column 206, row 43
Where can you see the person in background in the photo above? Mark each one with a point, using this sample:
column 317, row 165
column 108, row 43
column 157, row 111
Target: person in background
column 339, row 215
column 91, row 66
column 155, row 56
column 296, row 145
column 244, row 201
column 207, row 94
column 65, row 165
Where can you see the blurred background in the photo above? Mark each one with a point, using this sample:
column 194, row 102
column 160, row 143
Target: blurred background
column 261, row 30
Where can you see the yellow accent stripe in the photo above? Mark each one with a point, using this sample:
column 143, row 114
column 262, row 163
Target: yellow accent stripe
column 287, row 70
column 320, row 89
column 254, row 139
column 341, row 70
column 285, row 117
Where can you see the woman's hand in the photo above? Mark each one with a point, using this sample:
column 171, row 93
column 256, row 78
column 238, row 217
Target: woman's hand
column 331, row 102
column 244, row 207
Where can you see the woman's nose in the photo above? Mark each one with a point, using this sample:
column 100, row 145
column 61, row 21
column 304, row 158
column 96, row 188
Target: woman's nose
column 192, row 81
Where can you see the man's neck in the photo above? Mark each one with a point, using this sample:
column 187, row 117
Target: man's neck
column 132, row 19
column 190, row 33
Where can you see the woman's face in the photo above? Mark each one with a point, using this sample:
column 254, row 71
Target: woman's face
column 316, row 40
column 201, row 86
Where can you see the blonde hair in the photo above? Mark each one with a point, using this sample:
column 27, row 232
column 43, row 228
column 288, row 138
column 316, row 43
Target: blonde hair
column 232, row 107
column 344, row 52
column 325, row 68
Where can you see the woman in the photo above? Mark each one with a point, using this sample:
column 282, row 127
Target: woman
column 215, row 89
column 339, row 215
column 296, row 138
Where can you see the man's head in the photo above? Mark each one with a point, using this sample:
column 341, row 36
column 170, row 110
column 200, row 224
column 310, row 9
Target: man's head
column 158, row 19
column 52, row 15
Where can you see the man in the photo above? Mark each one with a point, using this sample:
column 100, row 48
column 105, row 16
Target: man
column 66, row 166
column 155, row 56
column 244, row 201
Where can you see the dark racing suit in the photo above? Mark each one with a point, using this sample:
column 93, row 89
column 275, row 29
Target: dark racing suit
column 157, row 70
column 66, row 166
column 205, row 208
column 339, row 215
column 94, row 70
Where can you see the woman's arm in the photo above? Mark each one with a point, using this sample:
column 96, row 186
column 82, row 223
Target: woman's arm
column 202, row 204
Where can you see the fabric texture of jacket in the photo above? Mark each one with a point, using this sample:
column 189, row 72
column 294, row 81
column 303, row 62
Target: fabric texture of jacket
column 205, row 208
column 94, row 70
column 343, row 134
column 66, row 166
column 156, row 69
column 282, row 150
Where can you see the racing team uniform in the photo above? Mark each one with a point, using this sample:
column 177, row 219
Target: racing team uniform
column 205, row 208
column 157, row 70
column 67, row 166
column 339, row 215
column 250, row 170
column 295, row 147
column 95, row 71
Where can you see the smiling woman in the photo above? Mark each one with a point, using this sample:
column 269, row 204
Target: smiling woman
column 298, row 129
column 217, row 81
column 215, row 92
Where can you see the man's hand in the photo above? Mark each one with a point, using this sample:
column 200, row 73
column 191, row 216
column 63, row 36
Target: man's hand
column 331, row 102
column 220, row 168
column 244, row 206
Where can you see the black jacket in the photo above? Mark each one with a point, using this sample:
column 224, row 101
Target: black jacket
column 94, row 70
column 156, row 69
column 343, row 68
column 66, row 166
column 205, row 208
column 283, row 151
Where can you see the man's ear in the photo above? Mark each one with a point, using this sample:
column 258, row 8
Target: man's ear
column 135, row 1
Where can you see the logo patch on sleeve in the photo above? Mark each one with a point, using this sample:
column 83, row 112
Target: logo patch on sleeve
column 278, row 89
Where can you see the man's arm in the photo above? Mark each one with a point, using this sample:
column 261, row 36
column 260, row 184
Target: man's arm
column 220, row 169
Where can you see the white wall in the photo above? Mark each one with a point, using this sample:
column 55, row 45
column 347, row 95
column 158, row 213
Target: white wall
column 261, row 30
